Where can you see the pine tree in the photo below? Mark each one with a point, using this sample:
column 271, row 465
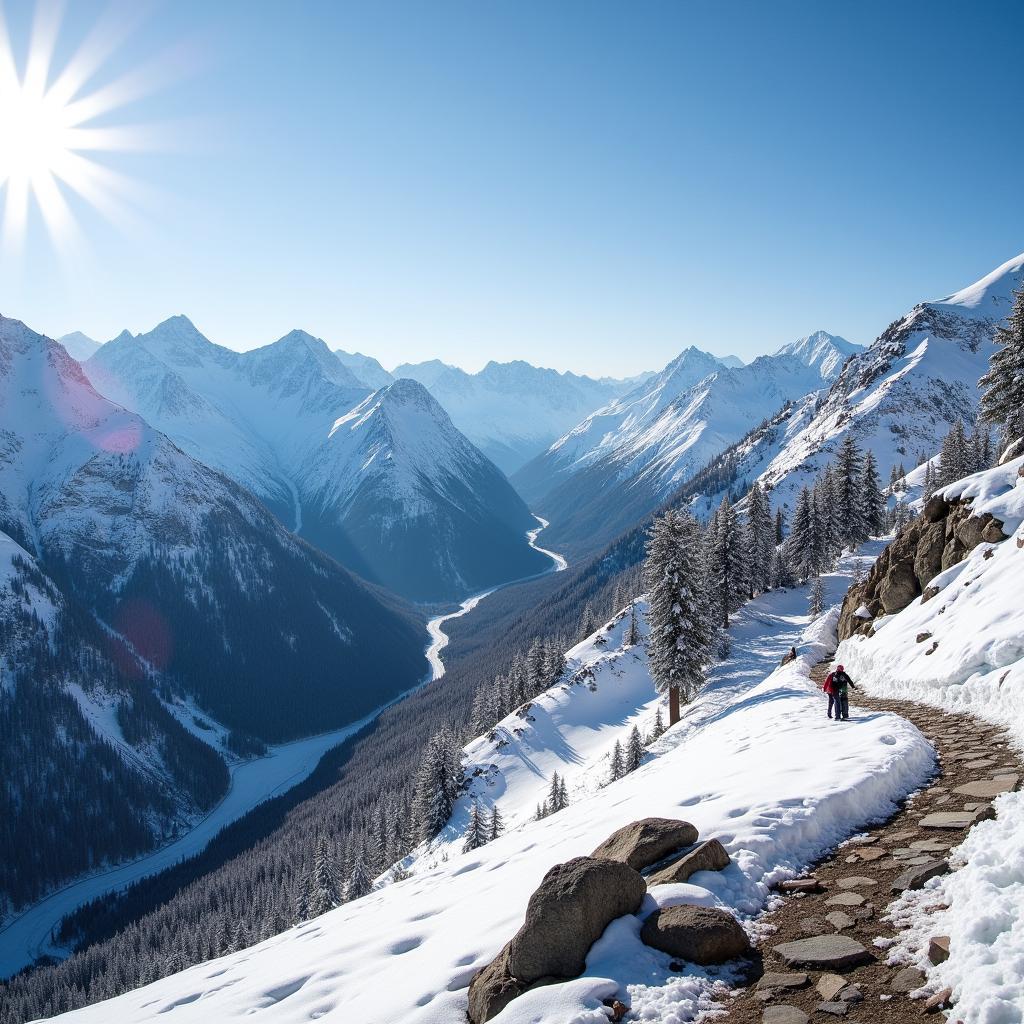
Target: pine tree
column 929, row 484
column 436, row 784
column 779, row 575
column 359, row 880
column 760, row 539
column 558, row 798
column 729, row 566
column 900, row 516
column 633, row 631
column 780, row 527
column 954, row 456
column 323, row 894
column 1002, row 400
column 497, row 823
column 616, row 766
column 477, row 830
column 589, row 622
column 802, row 544
column 872, row 502
column 536, row 672
column 634, row 750
column 658, row 729
column 848, row 467
column 681, row 636
column 816, row 601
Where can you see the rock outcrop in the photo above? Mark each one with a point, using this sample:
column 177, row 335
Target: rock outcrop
column 941, row 536
column 708, row 856
column 566, row 915
column 643, row 843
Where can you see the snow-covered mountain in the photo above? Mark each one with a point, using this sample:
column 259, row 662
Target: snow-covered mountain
column 407, row 503
column 625, row 459
column 184, row 563
column 366, row 369
column 80, row 346
column 736, row 766
column 898, row 397
column 512, row 411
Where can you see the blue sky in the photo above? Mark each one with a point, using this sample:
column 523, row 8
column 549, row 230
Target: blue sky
column 586, row 185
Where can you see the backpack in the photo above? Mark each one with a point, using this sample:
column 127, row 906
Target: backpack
column 827, row 685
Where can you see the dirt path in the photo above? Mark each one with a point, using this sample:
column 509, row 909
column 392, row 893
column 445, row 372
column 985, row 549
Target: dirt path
column 855, row 884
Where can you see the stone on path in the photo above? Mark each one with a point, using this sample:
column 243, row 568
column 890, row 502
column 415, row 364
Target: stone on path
column 709, row 856
column 988, row 789
column 829, row 986
column 950, row 819
column 907, row 980
column 930, row 846
column 780, row 979
column 839, row 920
column 701, row 935
column 856, row 882
column 823, row 951
column 813, row 925
column 837, row 1009
column 643, row 843
column 784, row 1015
column 870, row 854
column 915, row 876
column 799, row 885
column 845, row 899
column 938, row 949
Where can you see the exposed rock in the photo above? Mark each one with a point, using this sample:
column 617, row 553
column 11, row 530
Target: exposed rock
column 916, row 876
column 643, row 843
column 845, row 899
column 829, row 986
column 907, row 980
column 988, row 789
column 784, row 1015
column 899, row 587
column 702, row 935
column 856, row 882
column 929, row 593
column 835, row 1009
column 950, row 819
column 780, row 980
column 935, row 508
column 619, row 1009
column 708, row 856
column 566, row 915
column 938, row 948
column 839, row 920
column 799, row 885
column 938, row 1001
column 823, row 951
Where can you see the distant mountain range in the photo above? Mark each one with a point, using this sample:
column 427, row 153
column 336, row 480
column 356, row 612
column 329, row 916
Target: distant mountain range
column 388, row 487
column 623, row 460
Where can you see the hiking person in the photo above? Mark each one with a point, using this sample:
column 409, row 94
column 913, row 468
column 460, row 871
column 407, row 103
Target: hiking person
column 789, row 656
column 827, row 687
column 839, row 693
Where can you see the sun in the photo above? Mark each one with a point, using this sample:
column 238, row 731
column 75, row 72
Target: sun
column 53, row 122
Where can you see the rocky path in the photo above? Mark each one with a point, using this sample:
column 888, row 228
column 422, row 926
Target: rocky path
column 821, row 961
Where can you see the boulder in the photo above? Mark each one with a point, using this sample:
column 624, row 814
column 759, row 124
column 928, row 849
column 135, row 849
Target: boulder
column 992, row 532
column 915, row 877
column 953, row 553
column 935, row 508
column 899, row 587
column 928, row 557
column 566, row 915
column 643, row 843
column 702, row 935
column 708, row 856
column 833, row 951
column 938, row 949
column 908, row 980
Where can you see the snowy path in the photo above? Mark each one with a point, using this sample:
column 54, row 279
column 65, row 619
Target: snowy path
column 439, row 639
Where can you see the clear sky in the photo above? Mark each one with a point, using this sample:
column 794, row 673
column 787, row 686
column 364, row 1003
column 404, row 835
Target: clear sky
column 585, row 185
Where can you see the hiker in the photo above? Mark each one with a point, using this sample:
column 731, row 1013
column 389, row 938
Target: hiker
column 789, row 656
column 837, row 685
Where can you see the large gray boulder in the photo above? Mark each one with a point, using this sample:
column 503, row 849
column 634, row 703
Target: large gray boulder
column 708, row 856
column 701, row 935
column 899, row 587
column 566, row 915
column 643, row 843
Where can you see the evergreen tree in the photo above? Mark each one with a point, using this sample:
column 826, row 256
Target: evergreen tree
column 849, row 468
column 536, row 669
column 803, row 544
column 954, row 456
column 658, row 729
column 616, row 766
column 558, row 797
column 900, row 516
column 780, row 527
column 634, row 750
column 477, row 830
column 816, row 602
column 872, row 502
column 1002, row 400
column 323, row 894
column 589, row 621
column 760, row 539
column 729, row 565
column 360, row 881
column 497, row 823
column 681, row 635
column 929, row 483
column 633, row 631
column 779, row 575
column 436, row 785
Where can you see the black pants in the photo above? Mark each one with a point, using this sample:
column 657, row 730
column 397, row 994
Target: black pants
column 831, row 704
column 842, row 705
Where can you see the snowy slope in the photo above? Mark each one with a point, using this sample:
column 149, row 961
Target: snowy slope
column 753, row 762
column 899, row 397
column 418, row 509
column 397, row 492
column 512, row 411
column 625, row 459
column 365, row 369
column 80, row 346
column 978, row 667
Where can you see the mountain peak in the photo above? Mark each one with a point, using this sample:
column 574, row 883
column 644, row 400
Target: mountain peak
column 992, row 295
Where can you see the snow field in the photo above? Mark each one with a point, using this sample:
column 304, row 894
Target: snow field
column 754, row 762
column 978, row 668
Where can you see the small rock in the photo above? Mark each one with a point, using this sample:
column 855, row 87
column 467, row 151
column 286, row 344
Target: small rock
column 870, row 855
column 852, row 994
column 907, row 980
column 839, row 920
column 779, row 979
column 930, row 846
column 838, row 1009
column 618, row 1008
column 938, row 948
column 829, row 986
column 852, row 859
column 643, row 843
column 784, row 1015
column 856, row 882
column 938, row 1001
column 988, row 789
column 813, row 925
column 799, row 885
column 823, row 951
column 915, row 877
column 701, row 935
column 845, row 899
column 950, row 819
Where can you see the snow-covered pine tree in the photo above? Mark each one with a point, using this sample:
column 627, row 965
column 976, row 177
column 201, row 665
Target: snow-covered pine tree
column 563, row 794
column 760, row 539
column 780, row 526
column 816, row 602
column 900, row 515
column 729, row 562
column 323, row 894
column 359, row 880
column 981, row 449
column 477, row 830
column 554, row 663
column 616, row 765
column 658, row 728
column 872, row 502
column 802, row 544
column 634, row 750
column 929, row 483
column 848, row 468
column 554, row 800
column 588, row 622
column 536, row 675
column 497, row 823
column 435, row 786
column 681, row 634
column 633, row 629
column 954, row 455
column 1002, row 400
column 778, row 574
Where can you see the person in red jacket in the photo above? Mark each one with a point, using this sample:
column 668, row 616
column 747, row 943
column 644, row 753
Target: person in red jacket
column 837, row 686
column 827, row 687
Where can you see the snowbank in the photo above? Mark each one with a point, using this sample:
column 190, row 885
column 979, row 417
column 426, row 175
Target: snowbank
column 754, row 762
column 977, row 668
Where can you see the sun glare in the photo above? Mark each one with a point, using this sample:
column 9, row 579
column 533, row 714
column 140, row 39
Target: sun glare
column 48, row 124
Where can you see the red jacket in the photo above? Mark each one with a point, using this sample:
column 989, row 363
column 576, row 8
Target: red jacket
column 827, row 685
